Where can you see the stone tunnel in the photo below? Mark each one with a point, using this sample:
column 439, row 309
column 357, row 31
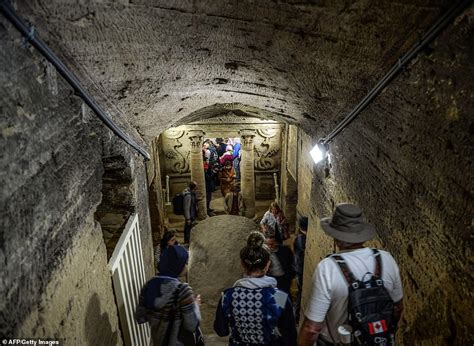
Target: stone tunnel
column 288, row 70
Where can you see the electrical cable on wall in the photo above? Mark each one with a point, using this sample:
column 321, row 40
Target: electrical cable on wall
column 31, row 36
column 319, row 151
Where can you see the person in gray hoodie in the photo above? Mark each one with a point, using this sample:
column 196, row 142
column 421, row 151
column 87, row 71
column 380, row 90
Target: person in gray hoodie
column 190, row 209
column 169, row 305
column 254, row 311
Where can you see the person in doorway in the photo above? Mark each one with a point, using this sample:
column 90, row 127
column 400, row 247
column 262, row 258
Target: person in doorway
column 228, row 156
column 190, row 209
column 168, row 239
column 208, row 176
column 206, row 154
column 234, row 202
column 236, row 162
column 274, row 223
column 226, row 177
column 327, row 307
column 281, row 267
column 220, row 146
column 236, row 158
column 211, row 168
column 254, row 311
column 299, row 247
column 168, row 305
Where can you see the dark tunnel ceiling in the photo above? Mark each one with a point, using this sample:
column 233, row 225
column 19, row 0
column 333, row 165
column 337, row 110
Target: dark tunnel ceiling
column 167, row 62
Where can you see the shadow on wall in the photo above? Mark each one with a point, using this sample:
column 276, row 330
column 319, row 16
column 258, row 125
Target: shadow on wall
column 441, row 328
column 97, row 325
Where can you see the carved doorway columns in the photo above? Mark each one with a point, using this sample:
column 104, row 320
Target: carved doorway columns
column 247, row 172
column 197, row 170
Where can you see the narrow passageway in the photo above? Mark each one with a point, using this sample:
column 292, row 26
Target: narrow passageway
column 214, row 256
column 105, row 110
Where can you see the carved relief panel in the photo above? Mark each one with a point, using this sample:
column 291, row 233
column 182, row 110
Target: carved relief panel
column 176, row 150
column 267, row 148
column 176, row 146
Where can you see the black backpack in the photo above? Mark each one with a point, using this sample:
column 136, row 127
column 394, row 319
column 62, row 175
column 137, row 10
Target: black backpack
column 371, row 309
column 214, row 164
column 178, row 203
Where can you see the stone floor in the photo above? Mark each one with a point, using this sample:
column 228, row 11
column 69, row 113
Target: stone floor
column 176, row 222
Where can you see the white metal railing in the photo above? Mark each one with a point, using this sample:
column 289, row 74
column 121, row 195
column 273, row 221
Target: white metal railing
column 167, row 189
column 277, row 188
column 128, row 277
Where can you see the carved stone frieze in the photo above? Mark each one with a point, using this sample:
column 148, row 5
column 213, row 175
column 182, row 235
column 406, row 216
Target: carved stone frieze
column 247, row 137
column 176, row 159
column 196, row 138
column 266, row 152
column 234, row 119
column 263, row 139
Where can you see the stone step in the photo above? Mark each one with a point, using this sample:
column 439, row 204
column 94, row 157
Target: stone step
column 215, row 340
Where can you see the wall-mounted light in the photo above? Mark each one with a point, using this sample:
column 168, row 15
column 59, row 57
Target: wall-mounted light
column 319, row 151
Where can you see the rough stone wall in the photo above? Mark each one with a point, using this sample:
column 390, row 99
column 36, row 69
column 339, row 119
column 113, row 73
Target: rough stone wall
column 407, row 161
column 139, row 196
column 77, row 305
column 54, row 278
column 117, row 200
column 305, row 169
column 156, row 196
column 142, row 207
column 288, row 185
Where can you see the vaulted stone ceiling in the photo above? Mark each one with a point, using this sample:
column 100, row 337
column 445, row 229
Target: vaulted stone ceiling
column 166, row 62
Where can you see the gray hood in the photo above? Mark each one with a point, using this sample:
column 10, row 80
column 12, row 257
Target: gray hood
column 249, row 282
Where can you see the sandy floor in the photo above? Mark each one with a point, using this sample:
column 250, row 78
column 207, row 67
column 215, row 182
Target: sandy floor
column 214, row 262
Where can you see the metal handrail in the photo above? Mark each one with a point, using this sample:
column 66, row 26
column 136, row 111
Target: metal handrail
column 31, row 36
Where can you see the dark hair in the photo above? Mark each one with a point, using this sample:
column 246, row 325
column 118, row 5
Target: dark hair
column 166, row 238
column 192, row 185
column 255, row 238
column 303, row 223
column 255, row 254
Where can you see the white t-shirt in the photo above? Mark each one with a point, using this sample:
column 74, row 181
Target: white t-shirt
column 269, row 219
column 330, row 289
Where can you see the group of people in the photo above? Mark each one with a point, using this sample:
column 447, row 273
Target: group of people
column 233, row 205
column 221, row 160
column 258, row 309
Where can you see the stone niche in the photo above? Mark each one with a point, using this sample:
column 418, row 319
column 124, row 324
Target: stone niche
column 176, row 149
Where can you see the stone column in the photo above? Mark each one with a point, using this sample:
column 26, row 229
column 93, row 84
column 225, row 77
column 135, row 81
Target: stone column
column 197, row 170
column 247, row 172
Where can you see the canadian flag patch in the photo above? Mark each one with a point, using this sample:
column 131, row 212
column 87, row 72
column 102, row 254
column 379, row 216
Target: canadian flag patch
column 377, row 327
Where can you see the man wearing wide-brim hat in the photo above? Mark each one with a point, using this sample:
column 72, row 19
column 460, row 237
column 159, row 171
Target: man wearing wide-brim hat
column 327, row 305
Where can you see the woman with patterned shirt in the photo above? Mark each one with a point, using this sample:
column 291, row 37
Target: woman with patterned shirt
column 254, row 311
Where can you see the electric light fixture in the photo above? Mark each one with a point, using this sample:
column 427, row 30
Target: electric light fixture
column 319, row 151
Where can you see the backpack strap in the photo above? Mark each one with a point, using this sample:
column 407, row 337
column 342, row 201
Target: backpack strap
column 350, row 277
column 344, row 269
column 378, row 264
